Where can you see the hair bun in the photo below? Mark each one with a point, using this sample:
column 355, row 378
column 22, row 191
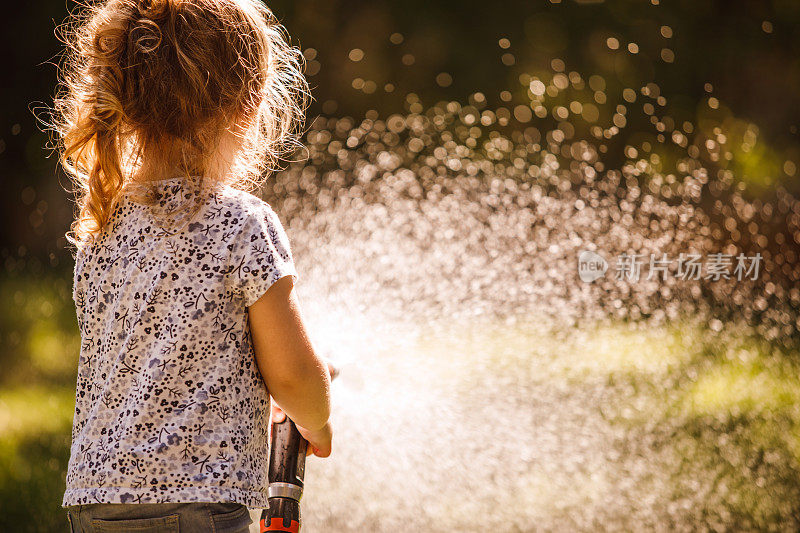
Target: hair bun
column 145, row 32
column 153, row 9
column 145, row 35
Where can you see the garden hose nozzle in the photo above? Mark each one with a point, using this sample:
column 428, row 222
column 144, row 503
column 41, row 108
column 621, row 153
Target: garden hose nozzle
column 287, row 461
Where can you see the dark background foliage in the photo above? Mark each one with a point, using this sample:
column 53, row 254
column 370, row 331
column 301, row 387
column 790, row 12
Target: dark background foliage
column 747, row 50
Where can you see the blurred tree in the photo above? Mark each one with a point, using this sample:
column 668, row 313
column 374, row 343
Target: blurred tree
column 371, row 54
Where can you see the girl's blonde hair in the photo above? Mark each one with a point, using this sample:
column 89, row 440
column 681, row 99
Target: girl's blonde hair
column 150, row 77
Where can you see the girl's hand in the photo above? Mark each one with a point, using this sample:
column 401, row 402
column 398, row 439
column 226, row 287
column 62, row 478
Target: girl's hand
column 319, row 441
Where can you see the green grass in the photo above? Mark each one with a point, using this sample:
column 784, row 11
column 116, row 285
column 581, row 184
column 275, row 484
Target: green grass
column 719, row 411
column 31, row 411
column 38, row 354
column 742, row 387
column 723, row 407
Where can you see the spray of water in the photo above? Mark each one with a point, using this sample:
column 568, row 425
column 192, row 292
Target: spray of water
column 484, row 384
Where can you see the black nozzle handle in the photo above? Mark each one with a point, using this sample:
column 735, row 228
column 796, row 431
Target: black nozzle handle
column 287, row 464
column 287, row 460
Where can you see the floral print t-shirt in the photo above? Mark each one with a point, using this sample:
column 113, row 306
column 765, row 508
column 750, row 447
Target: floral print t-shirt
column 170, row 405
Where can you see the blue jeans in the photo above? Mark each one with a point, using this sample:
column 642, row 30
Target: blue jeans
column 159, row 518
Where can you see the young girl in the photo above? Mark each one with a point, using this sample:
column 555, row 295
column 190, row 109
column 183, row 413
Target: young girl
column 183, row 281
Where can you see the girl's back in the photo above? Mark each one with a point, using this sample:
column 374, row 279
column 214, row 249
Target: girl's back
column 170, row 403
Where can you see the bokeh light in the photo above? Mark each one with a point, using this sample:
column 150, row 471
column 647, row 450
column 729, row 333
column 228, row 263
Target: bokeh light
column 457, row 163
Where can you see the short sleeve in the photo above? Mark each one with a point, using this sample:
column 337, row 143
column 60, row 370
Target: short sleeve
column 260, row 256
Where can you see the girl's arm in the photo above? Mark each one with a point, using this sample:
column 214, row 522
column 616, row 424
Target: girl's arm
column 296, row 377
